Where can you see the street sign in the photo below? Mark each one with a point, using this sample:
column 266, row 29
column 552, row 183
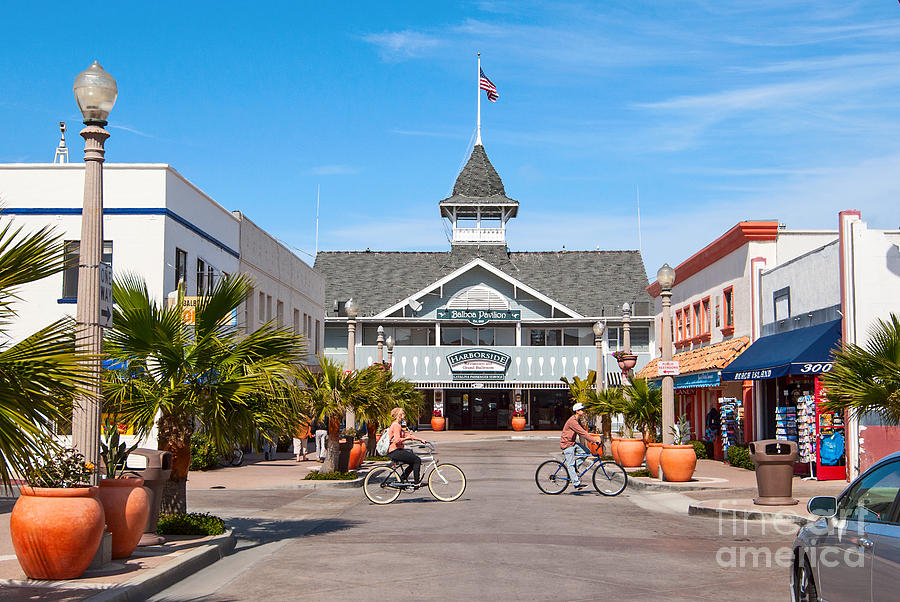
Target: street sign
column 106, row 298
column 669, row 368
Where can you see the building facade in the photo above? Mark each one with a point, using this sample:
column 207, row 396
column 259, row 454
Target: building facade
column 483, row 331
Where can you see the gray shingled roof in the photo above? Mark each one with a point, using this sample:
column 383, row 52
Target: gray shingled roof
column 479, row 184
column 593, row 283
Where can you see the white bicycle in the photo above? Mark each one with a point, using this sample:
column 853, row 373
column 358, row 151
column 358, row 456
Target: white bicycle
column 446, row 482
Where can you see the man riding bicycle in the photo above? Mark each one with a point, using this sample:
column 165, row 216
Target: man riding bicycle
column 572, row 429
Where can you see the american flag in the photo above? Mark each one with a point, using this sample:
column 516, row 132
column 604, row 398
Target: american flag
column 488, row 86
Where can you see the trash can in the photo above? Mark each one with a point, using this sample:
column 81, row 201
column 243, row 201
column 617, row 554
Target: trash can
column 344, row 457
column 774, row 460
column 154, row 466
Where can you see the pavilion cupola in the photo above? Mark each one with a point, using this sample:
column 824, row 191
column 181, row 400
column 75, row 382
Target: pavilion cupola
column 479, row 207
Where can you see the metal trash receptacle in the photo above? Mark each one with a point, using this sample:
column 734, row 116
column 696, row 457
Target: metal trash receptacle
column 774, row 460
column 155, row 469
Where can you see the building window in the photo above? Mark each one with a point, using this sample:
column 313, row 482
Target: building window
column 614, row 338
column 268, row 307
column 707, row 317
column 698, row 321
column 679, row 327
column 296, row 321
column 201, row 277
column 262, row 307
column 782, row 299
column 551, row 337
column 180, row 266
column 279, row 312
column 308, row 326
column 718, row 311
column 70, row 272
column 640, row 339
column 317, row 348
column 728, row 302
column 687, row 323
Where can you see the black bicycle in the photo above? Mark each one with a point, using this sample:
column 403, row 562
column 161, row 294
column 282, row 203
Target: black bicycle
column 609, row 478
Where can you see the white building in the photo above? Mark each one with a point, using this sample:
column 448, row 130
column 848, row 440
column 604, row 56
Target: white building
column 159, row 225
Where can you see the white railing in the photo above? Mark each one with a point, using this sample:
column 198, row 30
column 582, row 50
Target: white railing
column 477, row 235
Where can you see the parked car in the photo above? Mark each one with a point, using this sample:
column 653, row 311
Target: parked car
column 853, row 551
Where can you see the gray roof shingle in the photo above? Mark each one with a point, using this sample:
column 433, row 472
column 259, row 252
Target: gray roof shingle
column 593, row 283
column 479, row 183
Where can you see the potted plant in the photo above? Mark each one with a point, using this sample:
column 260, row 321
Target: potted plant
column 57, row 524
column 126, row 503
column 518, row 420
column 678, row 460
column 357, row 451
column 630, row 449
column 437, row 420
column 626, row 361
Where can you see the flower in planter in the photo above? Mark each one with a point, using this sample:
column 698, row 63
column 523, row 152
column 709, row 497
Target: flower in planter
column 66, row 469
column 620, row 355
column 436, row 413
column 518, row 414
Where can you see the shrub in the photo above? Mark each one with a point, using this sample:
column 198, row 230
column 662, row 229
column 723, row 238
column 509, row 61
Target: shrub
column 643, row 472
column 739, row 456
column 195, row 523
column 378, row 458
column 66, row 469
column 204, row 455
column 337, row 475
column 703, row 449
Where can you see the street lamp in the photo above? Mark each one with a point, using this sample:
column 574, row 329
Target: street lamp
column 666, row 278
column 390, row 347
column 380, row 342
column 600, row 381
column 352, row 309
column 95, row 92
column 626, row 328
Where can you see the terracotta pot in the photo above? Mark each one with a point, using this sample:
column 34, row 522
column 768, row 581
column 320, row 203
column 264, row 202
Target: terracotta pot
column 56, row 532
column 627, row 363
column 596, row 447
column 357, row 453
column 437, row 423
column 653, row 452
column 518, row 423
column 615, row 449
column 631, row 452
column 126, row 506
column 678, row 462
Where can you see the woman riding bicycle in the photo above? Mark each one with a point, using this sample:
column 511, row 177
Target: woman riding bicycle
column 396, row 451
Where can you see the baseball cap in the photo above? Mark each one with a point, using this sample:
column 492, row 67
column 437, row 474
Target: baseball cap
column 577, row 406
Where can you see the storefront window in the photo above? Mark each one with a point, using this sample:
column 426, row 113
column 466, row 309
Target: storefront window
column 450, row 336
column 468, row 336
column 538, row 337
column 505, row 336
column 570, row 336
column 416, row 335
column 485, row 336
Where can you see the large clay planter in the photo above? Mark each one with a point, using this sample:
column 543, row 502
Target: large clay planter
column 627, row 362
column 56, row 532
column 678, row 462
column 653, row 452
column 518, row 423
column 615, row 449
column 437, row 423
column 596, row 447
column 356, row 455
column 631, row 452
column 126, row 505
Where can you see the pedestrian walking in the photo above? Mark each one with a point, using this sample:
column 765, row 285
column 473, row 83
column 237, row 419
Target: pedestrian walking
column 321, row 431
column 269, row 446
column 300, row 439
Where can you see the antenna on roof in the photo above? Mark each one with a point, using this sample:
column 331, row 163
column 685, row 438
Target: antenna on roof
column 318, row 186
column 62, row 152
column 637, row 189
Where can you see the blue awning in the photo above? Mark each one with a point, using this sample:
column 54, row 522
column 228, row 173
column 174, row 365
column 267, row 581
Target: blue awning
column 801, row 351
column 695, row 380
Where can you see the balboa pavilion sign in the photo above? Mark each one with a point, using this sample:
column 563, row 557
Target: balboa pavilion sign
column 478, row 364
column 478, row 317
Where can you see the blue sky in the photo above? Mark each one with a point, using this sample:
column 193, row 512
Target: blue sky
column 717, row 111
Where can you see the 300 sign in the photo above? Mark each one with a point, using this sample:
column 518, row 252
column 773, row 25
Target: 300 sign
column 820, row 368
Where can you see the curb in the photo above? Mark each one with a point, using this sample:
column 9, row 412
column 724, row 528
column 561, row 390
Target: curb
column 639, row 483
column 734, row 513
column 166, row 575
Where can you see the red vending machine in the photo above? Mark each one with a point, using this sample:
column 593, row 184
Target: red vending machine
column 831, row 434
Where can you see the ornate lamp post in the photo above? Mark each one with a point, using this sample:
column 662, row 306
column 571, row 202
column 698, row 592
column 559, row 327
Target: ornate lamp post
column 95, row 91
column 626, row 328
column 390, row 347
column 600, row 382
column 666, row 278
column 352, row 309
column 380, row 344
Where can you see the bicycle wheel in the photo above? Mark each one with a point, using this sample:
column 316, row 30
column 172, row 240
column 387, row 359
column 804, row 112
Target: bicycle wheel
column 237, row 457
column 380, row 485
column 552, row 477
column 609, row 478
column 446, row 482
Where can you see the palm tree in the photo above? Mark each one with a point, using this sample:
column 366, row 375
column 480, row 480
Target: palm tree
column 642, row 407
column 393, row 393
column 206, row 377
column 39, row 375
column 584, row 391
column 330, row 392
column 867, row 379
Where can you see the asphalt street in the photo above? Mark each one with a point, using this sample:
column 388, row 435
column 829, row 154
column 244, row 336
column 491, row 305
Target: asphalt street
column 503, row 540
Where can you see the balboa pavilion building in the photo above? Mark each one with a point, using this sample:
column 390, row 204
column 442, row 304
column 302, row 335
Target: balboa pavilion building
column 483, row 331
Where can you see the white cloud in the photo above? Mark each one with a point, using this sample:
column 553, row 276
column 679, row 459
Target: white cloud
column 332, row 170
column 402, row 44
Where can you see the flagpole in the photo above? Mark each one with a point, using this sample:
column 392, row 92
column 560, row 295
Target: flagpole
column 478, row 96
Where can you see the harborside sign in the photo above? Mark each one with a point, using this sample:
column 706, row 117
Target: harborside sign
column 477, row 317
column 478, row 364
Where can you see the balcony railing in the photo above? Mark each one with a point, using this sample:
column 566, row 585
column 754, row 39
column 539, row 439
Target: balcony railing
column 478, row 235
